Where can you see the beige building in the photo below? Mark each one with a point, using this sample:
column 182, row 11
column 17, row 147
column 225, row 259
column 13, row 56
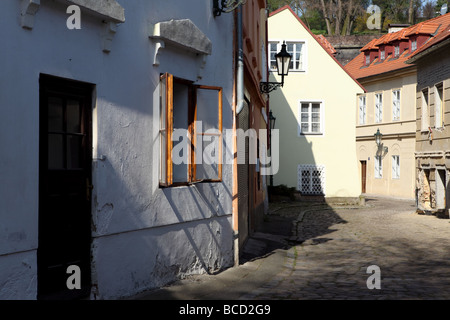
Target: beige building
column 433, row 119
column 389, row 105
column 314, row 113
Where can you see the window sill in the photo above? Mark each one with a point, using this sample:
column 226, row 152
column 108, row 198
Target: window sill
column 310, row 134
column 186, row 184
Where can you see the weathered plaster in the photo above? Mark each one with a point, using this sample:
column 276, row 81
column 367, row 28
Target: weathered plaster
column 137, row 226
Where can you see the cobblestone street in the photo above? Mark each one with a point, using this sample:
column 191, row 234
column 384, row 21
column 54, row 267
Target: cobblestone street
column 331, row 249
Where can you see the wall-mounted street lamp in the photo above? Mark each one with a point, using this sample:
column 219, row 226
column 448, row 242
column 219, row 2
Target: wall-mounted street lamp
column 379, row 141
column 272, row 120
column 226, row 6
column 378, row 138
column 283, row 59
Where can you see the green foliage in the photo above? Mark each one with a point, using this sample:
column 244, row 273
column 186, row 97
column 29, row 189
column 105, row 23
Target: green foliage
column 354, row 16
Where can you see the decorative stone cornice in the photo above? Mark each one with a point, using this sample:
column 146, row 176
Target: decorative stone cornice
column 182, row 34
column 28, row 9
column 109, row 10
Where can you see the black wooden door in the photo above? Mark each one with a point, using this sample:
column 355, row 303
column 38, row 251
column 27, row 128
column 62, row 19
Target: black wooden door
column 64, row 186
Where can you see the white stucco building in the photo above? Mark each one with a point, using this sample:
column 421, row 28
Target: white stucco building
column 85, row 125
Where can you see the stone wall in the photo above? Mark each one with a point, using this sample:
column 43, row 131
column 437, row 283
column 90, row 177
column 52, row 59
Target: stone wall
column 348, row 47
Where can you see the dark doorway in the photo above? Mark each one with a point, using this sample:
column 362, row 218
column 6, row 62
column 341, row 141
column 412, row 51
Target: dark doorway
column 64, row 186
column 363, row 176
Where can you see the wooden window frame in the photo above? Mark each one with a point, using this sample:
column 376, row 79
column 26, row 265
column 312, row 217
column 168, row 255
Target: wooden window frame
column 168, row 106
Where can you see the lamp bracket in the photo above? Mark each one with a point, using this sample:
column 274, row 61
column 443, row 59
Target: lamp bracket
column 267, row 87
column 226, row 6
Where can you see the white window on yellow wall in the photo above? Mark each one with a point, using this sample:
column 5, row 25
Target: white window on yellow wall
column 378, row 167
column 362, row 110
column 311, row 118
column 297, row 49
column 273, row 50
column 438, row 105
column 378, row 107
column 396, row 105
column 395, row 167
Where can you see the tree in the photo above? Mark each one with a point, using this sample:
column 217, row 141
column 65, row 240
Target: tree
column 428, row 10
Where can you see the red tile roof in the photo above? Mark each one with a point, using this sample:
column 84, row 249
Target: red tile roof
column 326, row 44
column 436, row 28
column 440, row 37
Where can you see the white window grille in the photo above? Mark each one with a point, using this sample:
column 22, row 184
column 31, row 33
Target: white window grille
column 396, row 105
column 395, row 167
column 383, row 55
column 378, row 167
column 311, row 179
column 362, row 110
column 378, row 107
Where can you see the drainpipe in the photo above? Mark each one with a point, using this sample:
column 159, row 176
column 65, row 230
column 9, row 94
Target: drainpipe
column 238, row 108
column 240, row 64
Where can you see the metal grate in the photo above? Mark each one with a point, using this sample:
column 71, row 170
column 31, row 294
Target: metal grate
column 311, row 179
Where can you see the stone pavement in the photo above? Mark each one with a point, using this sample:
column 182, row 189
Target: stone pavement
column 328, row 253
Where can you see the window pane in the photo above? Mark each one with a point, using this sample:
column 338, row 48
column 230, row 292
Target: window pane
column 315, row 107
column 305, row 118
column 315, row 117
column 55, row 151
column 55, row 114
column 207, row 167
column 305, row 107
column 208, row 109
column 305, row 127
column 163, row 133
column 180, row 106
column 316, row 127
column 163, row 146
column 180, row 153
column 74, row 152
column 208, row 153
column 73, row 116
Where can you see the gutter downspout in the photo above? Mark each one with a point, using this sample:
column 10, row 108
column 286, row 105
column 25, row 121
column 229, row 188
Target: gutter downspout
column 239, row 106
column 240, row 64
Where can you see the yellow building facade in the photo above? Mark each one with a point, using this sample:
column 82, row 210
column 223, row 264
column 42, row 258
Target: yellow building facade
column 387, row 170
column 315, row 113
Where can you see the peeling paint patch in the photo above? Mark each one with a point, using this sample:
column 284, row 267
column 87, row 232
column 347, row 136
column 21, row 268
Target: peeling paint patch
column 104, row 216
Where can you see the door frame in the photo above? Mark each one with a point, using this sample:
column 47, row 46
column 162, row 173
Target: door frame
column 48, row 85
